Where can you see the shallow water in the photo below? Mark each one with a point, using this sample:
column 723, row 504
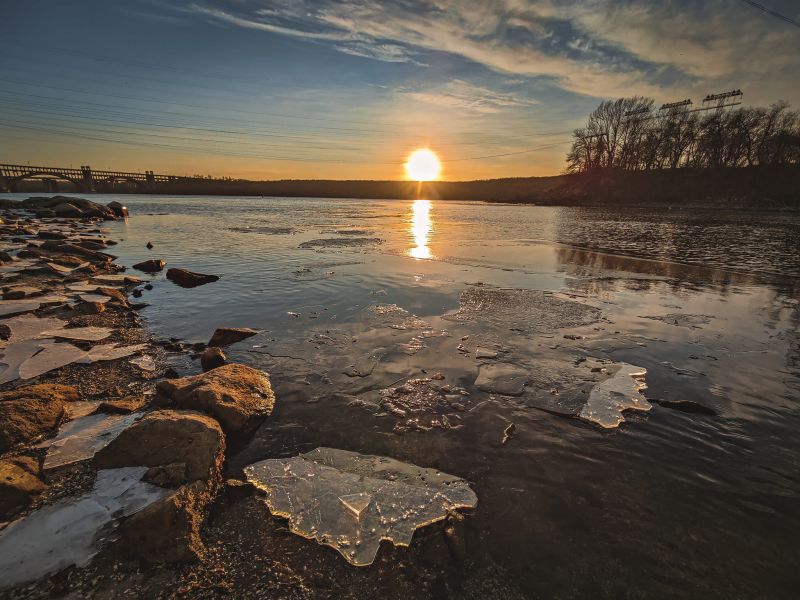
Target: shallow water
column 669, row 504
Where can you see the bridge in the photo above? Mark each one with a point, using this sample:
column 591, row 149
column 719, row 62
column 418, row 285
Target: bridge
column 84, row 178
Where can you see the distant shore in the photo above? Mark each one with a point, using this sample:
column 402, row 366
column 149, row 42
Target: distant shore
column 774, row 187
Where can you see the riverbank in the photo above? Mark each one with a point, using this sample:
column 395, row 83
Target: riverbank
column 104, row 449
column 758, row 188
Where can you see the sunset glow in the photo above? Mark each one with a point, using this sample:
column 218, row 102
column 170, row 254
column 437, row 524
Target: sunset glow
column 423, row 165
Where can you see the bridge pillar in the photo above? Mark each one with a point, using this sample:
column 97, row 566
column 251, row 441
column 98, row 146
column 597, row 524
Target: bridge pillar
column 88, row 180
column 5, row 186
column 150, row 178
column 50, row 185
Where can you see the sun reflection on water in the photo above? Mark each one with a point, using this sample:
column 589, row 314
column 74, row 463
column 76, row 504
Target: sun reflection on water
column 421, row 225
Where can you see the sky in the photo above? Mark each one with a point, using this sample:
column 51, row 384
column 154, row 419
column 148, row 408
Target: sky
column 298, row 89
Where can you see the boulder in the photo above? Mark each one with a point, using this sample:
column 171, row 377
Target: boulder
column 86, row 208
column 17, row 488
column 224, row 336
column 169, row 529
column 150, row 266
column 188, row 279
column 29, row 412
column 118, row 209
column 239, row 396
column 68, row 211
column 183, row 449
column 211, row 358
column 165, row 437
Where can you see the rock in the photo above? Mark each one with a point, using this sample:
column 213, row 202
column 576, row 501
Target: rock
column 118, row 209
column 165, row 437
column 178, row 446
column 49, row 207
column 67, row 210
column 239, row 396
column 51, row 235
column 17, row 488
column 150, row 266
column 91, row 308
column 21, row 291
column 225, row 336
column 167, row 476
column 188, row 279
column 113, row 293
column 149, row 245
column 30, row 253
column 5, row 257
column 211, row 358
column 28, row 412
column 169, row 529
column 121, row 405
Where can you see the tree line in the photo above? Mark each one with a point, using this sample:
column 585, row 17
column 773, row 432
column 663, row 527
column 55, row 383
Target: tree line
column 630, row 134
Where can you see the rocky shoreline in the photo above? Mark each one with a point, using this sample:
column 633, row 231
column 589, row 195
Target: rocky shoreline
column 87, row 406
column 113, row 465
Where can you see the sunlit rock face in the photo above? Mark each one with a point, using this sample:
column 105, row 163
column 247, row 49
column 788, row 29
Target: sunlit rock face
column 352, row 501
column 609, row 398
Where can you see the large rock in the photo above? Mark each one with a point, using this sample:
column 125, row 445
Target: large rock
column 165, row 437
column 28, row 412
column 183, row 449
column 188, row 279
column 225, row 336
column 67, row 211
column 150, row 266
column 169, row 530
column 239, row 396
column 17, row 488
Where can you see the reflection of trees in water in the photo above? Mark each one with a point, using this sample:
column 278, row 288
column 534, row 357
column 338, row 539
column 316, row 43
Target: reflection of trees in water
column 756, row 243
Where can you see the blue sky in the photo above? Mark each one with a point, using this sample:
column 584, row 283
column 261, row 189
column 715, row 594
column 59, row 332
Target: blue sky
column 265, row 89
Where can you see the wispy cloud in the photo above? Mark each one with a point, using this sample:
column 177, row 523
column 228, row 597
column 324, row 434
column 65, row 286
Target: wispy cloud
column 459, row 94
column 591, row 47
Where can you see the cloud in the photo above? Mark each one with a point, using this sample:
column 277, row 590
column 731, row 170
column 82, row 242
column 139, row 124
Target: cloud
column 600, row 48
column 459, row 94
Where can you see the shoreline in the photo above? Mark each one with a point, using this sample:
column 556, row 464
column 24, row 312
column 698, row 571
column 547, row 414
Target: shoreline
column 68, row 430
column 773, row 187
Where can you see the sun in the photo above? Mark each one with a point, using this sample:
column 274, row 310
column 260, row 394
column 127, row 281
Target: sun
column 423, row 165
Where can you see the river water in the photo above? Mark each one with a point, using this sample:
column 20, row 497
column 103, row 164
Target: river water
column 669, row 504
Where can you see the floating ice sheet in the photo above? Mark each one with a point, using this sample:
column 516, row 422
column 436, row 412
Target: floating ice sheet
column 622, row 391
column 72, row 531
column 352, row 501
column 28, row 327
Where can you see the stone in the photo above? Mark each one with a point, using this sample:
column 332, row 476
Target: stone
column 178, row 447
column 211, row 358
column 121, row 406
column 118, row 209
column 91, row 308
column 51, row 235
column 165, row 437
column 188, row 279
column 169, row 530
column 224, row 336
column 149, row 245
column 150, row 266
column 238, row 396
column 29, row 412
column 113, row 293
column 18, row 487
column 21, row 291
column 67, row 210
column 5, row 257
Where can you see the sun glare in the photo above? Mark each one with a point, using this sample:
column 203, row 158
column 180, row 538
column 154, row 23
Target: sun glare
column 423, row 165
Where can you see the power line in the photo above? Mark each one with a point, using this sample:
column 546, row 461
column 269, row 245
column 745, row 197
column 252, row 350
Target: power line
column 773, row 13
